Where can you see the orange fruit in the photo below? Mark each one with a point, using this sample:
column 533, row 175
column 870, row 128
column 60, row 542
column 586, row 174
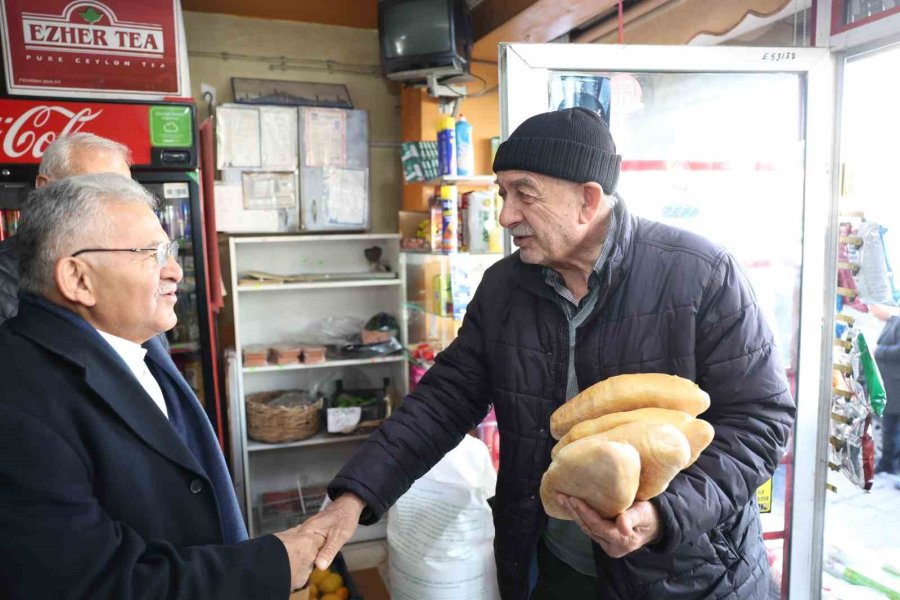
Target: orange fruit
column 331, row 583
column 318, row 575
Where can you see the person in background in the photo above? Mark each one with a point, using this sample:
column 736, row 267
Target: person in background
column 113, row 483
column 887, row 356
column 74, row 154
column 592, row 292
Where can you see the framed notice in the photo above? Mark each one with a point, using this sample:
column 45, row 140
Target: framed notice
column 94, row 48
column 290, row 93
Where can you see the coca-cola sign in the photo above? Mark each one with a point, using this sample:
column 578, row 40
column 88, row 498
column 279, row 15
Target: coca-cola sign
column 27, row 127
column 91, row 47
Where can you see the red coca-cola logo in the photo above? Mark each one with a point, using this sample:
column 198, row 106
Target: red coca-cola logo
column 27, row 127
column 36, row 128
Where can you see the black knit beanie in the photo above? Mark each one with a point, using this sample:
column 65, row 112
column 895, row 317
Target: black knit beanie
column 572, row 144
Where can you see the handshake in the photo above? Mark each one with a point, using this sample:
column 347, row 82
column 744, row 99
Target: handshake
column 316, row 542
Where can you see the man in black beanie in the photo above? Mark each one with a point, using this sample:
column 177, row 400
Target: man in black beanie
column 592, row 292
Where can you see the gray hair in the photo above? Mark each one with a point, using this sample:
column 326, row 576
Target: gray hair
column 612, row 200
column 60, row 216
column 58, row 163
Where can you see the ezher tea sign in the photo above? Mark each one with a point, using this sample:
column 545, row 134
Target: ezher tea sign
column 113, row 48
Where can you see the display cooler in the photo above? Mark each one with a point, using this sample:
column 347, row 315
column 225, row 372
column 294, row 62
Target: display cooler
column 162, row 137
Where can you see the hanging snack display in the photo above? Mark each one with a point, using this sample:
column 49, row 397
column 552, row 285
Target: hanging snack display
column 863, row 276
column 874, row 279
column 848, row 266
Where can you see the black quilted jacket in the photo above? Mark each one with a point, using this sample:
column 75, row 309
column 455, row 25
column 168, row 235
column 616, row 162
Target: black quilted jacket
column 9, row 279
column 671, row 302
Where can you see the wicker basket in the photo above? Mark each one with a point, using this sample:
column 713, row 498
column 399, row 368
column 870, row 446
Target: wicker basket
column 280, row 424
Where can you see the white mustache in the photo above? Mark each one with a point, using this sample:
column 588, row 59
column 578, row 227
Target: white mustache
column 521, row 230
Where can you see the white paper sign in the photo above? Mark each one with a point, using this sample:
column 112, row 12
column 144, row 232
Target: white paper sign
column 267, row 191
column 279, row 138
column 326, row 138
column 237, row 137
column 345, row 196
column 231, row 216
column 175, row 191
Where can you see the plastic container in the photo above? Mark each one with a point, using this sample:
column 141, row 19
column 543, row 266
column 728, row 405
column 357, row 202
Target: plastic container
column 436, row 217
column 446, row 138
column 449, row 218
column 462, row 227
column 482, row 221
column 465, row 154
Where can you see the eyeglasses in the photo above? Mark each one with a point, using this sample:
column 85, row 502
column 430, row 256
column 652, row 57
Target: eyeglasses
column 162, row 252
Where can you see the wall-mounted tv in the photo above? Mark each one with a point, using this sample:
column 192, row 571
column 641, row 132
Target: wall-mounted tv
column 424, row 37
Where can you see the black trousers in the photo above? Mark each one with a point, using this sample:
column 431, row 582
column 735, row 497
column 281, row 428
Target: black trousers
column 890, row 445
column 557, row 580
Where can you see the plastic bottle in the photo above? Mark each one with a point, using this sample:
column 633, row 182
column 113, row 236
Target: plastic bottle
column 446, row 139
column 436, row 238
column 465, row 155
column 450, row 220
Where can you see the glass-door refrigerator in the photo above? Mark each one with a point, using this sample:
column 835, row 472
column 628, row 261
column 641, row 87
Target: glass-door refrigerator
column 162, row 137
column 734, row 144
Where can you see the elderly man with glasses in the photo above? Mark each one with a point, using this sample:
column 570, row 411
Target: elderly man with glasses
column 74, row 154
column 113, row 485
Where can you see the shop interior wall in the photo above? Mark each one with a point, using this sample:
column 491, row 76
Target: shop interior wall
column 222, row 46
column 255, row 47
column 481, row 108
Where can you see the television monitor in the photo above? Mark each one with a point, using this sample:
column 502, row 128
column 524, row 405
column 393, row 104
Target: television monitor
column 424, row 37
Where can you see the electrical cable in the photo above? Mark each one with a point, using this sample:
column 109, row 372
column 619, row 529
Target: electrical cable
column 621, row 22
column 484, row 88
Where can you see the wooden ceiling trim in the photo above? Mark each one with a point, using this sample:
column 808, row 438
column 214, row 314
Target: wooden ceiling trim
column 680, row 21
column 612, row 25
column 539, row 21
column 361, row 14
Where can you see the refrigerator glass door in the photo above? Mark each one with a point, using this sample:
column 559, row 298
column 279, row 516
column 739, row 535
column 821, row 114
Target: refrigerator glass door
column 188, row 340
column 735, row 145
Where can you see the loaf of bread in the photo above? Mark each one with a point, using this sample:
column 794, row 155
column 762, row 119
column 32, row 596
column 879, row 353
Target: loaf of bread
column 603, row 473
column 663, row 449
column 699, row 435
column 698, row 432
column 629, row 392
column 662, row 415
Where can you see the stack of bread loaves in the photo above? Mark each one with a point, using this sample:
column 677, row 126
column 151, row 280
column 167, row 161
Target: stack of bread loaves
column 624, row 439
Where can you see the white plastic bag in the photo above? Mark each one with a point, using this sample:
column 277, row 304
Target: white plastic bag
column 875, row 280
column 440, row 533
